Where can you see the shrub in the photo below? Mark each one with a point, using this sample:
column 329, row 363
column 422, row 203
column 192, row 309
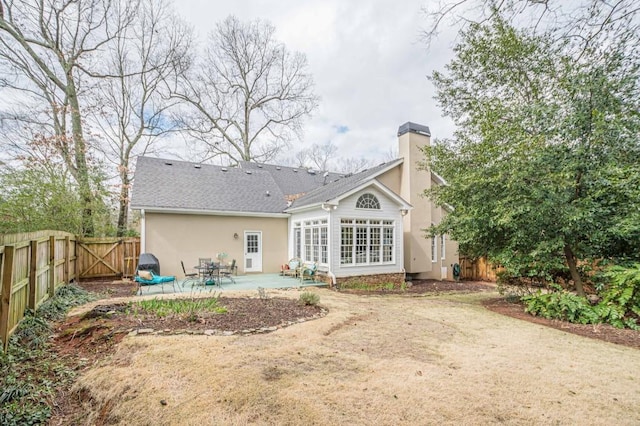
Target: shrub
column 562, row 305
column 620, row 304
column 309, row 299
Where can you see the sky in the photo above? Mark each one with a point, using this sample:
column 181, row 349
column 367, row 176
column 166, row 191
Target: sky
column 369, row 65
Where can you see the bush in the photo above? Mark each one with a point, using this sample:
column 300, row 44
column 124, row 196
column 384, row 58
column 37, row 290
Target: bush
column 562, row 305
column 619, row 303
column 309, row 299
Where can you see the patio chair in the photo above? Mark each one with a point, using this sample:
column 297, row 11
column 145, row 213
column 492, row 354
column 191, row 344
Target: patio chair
column 291, row 268
column 203, row 264
column 228, row 272
column 308, row 271
column 148, row 278
column 191, row 276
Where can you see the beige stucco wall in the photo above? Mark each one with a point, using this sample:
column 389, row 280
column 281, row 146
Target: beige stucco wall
column 187, row 237
column 391, row 179
column 417, row 249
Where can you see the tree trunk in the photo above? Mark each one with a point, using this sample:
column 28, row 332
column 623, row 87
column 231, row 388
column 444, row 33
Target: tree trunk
column 80, row 153
column 123, row 212
column 573, row 269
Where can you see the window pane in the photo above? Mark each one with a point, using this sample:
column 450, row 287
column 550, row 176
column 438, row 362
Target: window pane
column 297, row 242
column 374, row 245
column 323, row 245
column 361, row 245
column 346, row 245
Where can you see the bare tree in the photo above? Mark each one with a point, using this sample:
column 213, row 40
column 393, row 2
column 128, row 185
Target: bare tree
column 352, row 164
column 248, row 95
column 577, row 22
column 131, row 106
column 320, row 155
column 48, row 46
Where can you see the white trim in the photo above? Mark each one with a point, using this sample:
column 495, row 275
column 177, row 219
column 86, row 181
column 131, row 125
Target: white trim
column 389, row 193
column 260, row 245
column 213, row 212
column 336, row 201
column 443, row 247
column 143, row 232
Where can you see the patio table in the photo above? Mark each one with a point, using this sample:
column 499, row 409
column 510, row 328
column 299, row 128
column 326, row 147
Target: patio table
column 210, row 273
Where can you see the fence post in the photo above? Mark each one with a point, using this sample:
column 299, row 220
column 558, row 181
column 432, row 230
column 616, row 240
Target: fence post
column 5, row 303
column 52, row 265
column 67, row 261
column 33, row 270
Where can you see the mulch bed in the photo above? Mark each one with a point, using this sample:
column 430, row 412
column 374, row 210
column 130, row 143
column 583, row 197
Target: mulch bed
column 604, row 332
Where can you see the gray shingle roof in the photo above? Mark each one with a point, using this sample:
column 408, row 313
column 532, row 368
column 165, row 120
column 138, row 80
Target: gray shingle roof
column 341, row 186
column 171, row 184
column 294, row 180
column 181, row 185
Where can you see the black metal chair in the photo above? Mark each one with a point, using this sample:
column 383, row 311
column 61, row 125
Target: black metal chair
column 191, row 276
column 228, row 272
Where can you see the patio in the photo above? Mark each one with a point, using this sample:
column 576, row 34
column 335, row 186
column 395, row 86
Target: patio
column 242, row 282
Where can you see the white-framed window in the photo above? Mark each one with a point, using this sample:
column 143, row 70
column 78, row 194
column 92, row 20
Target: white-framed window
column 434, row 249
column 443, row 252
column 297, row 240
column 315, row 247
column 368, row 201
column 366, row 241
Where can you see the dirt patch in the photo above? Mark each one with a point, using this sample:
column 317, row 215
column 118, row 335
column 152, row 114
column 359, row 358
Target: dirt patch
column 105, row 289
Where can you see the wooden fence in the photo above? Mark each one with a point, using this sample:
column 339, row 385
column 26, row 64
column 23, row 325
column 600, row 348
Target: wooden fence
column 33, row 265
column 478, row 269
column 107, row 257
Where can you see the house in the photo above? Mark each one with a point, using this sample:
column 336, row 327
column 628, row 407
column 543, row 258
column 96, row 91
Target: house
column 364, row 226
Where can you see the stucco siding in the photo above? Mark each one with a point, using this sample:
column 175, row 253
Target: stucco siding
column 391, row 179
column 175, row 237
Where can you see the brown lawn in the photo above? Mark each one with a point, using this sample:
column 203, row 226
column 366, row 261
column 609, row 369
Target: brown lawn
column 371, row 360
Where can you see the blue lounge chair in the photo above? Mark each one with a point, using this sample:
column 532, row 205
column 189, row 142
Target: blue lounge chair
column 155, row 280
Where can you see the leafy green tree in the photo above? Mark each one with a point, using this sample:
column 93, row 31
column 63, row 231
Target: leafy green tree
column 37, row 198
column 544, row 169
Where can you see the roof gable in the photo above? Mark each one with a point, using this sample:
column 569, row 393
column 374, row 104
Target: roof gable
column 343, row 186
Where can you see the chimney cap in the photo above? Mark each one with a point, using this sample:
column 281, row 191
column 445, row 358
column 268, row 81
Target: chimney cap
column 414, row 128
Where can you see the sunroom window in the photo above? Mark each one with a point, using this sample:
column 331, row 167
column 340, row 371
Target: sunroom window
column 311, row 240
column 366, row 241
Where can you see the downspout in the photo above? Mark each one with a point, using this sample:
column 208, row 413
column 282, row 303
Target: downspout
column 333, row 278
column 143, row 232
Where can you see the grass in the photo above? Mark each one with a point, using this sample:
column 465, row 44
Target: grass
column 190, row 309
column 384, row 361
column 30, row 373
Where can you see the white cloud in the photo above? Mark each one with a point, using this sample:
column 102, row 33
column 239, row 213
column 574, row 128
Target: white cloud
column 368, row 64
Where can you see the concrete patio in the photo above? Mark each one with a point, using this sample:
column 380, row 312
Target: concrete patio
column 242, row 282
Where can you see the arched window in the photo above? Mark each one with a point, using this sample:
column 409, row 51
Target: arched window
column 368, row 201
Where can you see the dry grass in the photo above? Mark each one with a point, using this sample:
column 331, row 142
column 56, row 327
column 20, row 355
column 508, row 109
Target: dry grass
column 371, row 361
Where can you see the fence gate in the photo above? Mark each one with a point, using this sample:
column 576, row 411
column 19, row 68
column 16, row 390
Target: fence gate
column 107, row 257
